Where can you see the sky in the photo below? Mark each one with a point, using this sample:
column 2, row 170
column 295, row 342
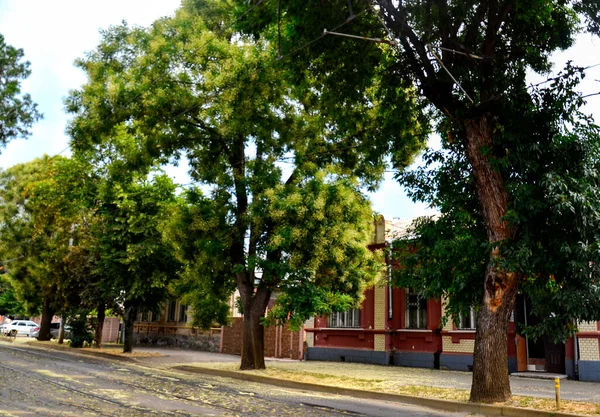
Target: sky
column 55, row 33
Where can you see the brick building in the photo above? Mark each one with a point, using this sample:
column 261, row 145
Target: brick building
column 396, row 326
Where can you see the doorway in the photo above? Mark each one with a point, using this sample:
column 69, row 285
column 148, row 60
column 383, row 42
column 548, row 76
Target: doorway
column 541, row 355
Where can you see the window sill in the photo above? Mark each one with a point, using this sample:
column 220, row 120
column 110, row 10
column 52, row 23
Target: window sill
column 343, row 328
column 414, row 330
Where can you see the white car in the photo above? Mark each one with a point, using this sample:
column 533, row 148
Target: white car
column 20, row 328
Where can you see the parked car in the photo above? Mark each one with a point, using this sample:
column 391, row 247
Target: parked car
column 20, row 328
column 54, row 330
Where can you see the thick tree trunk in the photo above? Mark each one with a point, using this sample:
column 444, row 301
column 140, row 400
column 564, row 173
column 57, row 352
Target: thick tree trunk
column 128, row 321
column 100, row 324
column 490, row 361
column 253, row 340
column 490, row 358
column 47, row 314
column 253, row 343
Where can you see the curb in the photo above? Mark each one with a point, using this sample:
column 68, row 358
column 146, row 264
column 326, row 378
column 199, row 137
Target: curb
column 445, row 405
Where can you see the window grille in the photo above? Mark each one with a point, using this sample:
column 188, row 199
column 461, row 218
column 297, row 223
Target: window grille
column 349, row 318
column 415, row 310
column 467, row 321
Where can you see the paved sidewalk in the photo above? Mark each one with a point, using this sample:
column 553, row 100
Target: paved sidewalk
column 389, row 375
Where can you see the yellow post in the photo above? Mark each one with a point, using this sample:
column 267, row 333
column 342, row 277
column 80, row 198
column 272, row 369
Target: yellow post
column 557, row 388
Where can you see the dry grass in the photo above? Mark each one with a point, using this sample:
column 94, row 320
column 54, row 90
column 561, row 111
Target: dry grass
column 110, row 349
column 372, row 383
column 118, row 351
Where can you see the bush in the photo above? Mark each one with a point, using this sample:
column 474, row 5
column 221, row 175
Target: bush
column 81, row 331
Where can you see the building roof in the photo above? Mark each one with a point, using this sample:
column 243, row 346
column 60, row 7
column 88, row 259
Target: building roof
column 397, row 228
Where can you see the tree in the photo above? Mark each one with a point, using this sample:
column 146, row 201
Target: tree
column 41, row 202
column 191, row 86
column 17, row 112
column 130, row 254
column 469, row 60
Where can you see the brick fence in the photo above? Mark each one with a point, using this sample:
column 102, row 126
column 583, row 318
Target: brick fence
column 280, row 341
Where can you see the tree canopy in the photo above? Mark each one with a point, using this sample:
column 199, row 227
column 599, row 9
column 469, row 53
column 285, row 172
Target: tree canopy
column 279, row 165
column 18, row 112
column 468, row 60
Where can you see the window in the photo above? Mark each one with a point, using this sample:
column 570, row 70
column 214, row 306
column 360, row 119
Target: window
column 350, row 318
column 156, row 317
column 183, row 313
column 415, row 310
column 171, row 310
column 467, row 321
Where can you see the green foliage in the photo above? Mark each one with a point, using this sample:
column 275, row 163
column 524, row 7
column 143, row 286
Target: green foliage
column 544, row 149
column 323, row 228
column 43, row 201
column 133, row 262
column 82, row 330
column 17, row 111
column 191, row 85
column 552, row 166
column 199, row 234
column 9, row 304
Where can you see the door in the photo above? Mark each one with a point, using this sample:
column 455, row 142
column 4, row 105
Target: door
column 521, row 353
column 555, row 356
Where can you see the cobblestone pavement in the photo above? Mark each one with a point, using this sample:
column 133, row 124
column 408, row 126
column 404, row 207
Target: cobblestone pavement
column 50, row 383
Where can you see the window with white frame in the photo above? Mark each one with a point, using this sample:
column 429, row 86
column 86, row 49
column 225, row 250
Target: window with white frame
column 415, row 310
column 467, row 321
column 349, row 318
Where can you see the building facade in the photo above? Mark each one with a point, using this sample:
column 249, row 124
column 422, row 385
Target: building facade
column 395, row 326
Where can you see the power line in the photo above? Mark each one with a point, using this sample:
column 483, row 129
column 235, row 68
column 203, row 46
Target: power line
column 321, row 36
column 558, row 77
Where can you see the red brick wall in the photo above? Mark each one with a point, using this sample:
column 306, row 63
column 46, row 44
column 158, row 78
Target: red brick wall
column 280, row 342
column 232, row 337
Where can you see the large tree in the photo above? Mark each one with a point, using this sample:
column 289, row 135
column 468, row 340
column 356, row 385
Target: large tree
column 284, row 213
column 41, row 200
column 17, row 111
column 553, row 172
column 469, row 60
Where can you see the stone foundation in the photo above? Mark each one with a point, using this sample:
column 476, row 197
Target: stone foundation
column 203, row 343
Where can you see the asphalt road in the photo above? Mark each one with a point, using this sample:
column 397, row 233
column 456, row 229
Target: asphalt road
column 49, row 383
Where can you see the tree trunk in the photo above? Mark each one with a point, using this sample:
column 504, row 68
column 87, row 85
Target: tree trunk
column 100, row 324
column 253, row 340
column 490, row 360
column 47, row 314
column 61, row 331
column 128, row 321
